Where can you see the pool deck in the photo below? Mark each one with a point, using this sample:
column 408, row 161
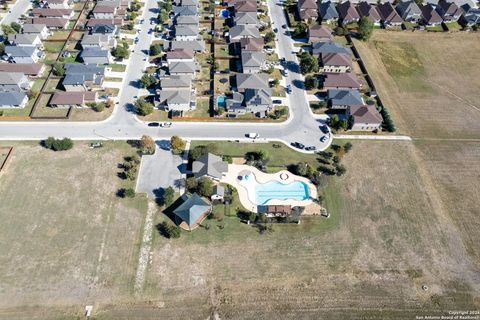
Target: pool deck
column 234, row 171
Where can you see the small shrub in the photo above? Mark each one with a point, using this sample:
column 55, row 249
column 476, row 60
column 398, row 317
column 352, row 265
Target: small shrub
column 58, row 144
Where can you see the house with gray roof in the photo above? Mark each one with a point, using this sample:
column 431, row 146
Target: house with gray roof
column 409, row 11
column 209, row 165
column 176, row 82
column 218, row 192
column 13, row 99
column 246, row 18
column 430, row 16
column 471, row 17
column 328, row 47
column 252, row 61
column 251, row 81
column 319, row 33
column 39, row 29
column 13, row 81
column 238, row 32
column 258, row 101
column 179, row 99
column 182, row 68
column 18, row 54
column 342, row 99
column 109, row 29
column 194, row 45
column 449, row 11
column 185, row 11
column 192, row 211
column 328, row 12
column 105, row 41
column 95, row 55
column 186, row 32
column 389, row 16
column 186, row 20
column 24, row 40
column 83, row 77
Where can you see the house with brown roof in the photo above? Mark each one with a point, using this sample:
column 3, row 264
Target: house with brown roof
column 364, row 118
column 365, row 9
column 347, row 13
column 388, row 14
column 430, row 16
column 72, row 99
column 251, row 44
column 335, row 63
column 94, row 22
column 104, row 12
column 347, row 80
column 245, row 6
column 179, row 55
column 52, row 13
column 29, row 69
column 319, row 33
column 449, row 11
column 51, row 23
column 307, row 9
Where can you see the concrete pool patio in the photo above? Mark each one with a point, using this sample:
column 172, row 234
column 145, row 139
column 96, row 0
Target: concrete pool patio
column 285, row 177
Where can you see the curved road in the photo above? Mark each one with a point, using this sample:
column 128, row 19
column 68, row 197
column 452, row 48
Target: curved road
column 301, row 126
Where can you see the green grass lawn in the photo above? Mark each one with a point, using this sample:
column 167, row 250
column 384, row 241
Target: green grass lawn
column 453, row 26
column 201, row 110
column 112, row 79
column 437, row 28
column 117, row 67
column 53, row 46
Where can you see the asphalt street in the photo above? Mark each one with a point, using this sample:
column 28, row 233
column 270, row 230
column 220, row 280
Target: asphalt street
column 301, row 126
column 20, row 7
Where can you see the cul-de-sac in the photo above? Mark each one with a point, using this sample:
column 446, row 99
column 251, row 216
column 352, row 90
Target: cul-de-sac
column 239, row 159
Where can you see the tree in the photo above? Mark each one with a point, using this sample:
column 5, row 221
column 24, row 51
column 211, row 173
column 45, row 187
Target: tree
column 169, row 230
column 58, row 144
column 347, row 146
column 311, row 82
column 365, row 28
column 58, row 69
column 334, row 122
column 147, row 145
column 205, row 187
column 343, row 124
column 2, row 48
column 308, row 63
column 126, row 193
column 155, row 49
column 177, row 144
column 7, row 29
column 142, row 107
column 269, row 37
column 275, row 82
column 32, row 94
column 300, row 29
column 191, row 184
column 121, row 51
column 99, row 107
column 340, row 169
column 16, row 26
column 162, row 16
column 147, row 80
column 167, row 198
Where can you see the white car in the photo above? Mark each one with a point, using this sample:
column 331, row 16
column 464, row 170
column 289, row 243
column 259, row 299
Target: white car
column 165, row 124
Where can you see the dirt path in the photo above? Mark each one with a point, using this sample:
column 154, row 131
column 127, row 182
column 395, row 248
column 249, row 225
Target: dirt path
column 145, row 248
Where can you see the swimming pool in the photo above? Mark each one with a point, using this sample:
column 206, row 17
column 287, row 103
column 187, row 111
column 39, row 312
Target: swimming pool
column 221, row 101
column 265, row 192
column 225, row 14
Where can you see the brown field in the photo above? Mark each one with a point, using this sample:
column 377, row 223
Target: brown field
column 427, row 81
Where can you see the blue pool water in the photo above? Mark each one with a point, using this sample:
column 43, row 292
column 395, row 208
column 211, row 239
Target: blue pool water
column 224, row 14
column 276, row 190
column 221, row 101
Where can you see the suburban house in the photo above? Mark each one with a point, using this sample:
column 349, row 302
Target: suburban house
column 122, row 4
column 307, row 9
column 52, row 13
column 13, row 99
column 249, row 44
column 104, row 12
column 105, row 29
column 192, row 211
column 449, row 11
column 252, row 61
column 40, row 30
column 29, row 69
column 24, row 40
column 177, row 68
column 72, row 99
column 186, row 3
column 347, row 12
column 409, row 11
column 258, row 101
column 105, row 41
column 95, row 55
column 389, row 16
column 365, row 9
column 179, row 55
column 186, row 20
column 319, row 33
column 13, row 81
column 92, row 22
column 51, row 23
column 335, row 62
column 175, row 93
column 243, row 31
column 218, row 192
column 471, row 17
column 209, row 165
column 251, row 81
column 186, row 32
column 364, row 118
column 82, row 77
column 55, row 4
column 194, row 45
column 346, row 80
column 328, row 47
column 185, row 11
column 246, row 18
column 245, row 6
column 18, row 54
column 430, row 16
column 328, row 12
column 342, row 99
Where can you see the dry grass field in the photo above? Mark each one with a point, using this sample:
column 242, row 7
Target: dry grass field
column 66, row 240
column 428, row 81
column 387, row 237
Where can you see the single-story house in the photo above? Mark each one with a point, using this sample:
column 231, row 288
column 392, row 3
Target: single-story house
column 251, row 44
column 186, row 20
column 449, row 11
column 13, row 81
column 25, row 40
column 95, row 55
column 328, row 47
column 194, row 45
column 192, row 211
column 55, row 4
column 368, row 10
column 246, row 18
column 347, row 12
column 186, row 32
column 346, row 80
column 179, row 55
column 104, row 12
column 175, row 99
column 245, row 6
column 471, row 17
column 389, row 15
column 182, row 68
column 307, row 9
column 23, row 54
column 430, row 16
column 29, row 69
column 409, row 11
column 105, row 41
column 13, row 99
column 94, row 22
column 52, row 13
column 236, row 33
column 36, row 29
column 106, row 29
column 209, row 165
column 82, row 77
column 51, row 23
column 364, row 118
column 319, row 33
column 335, row 62
column 342, row 99
column 72, row 99
column 328, row 12
column 185, row 11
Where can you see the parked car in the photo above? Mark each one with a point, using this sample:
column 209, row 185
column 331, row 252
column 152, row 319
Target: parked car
column 154, row 124
column 166, row 125
column 95, row 145
column 324, row 129
column 276, row 101
column 311, row 148
column 275, row 30
column 288, row 89
column 285, row 72
column 284, row 26
column 252, row 135
column 298, row 145
column 323, row 138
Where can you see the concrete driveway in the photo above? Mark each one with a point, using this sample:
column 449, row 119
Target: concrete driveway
column 159, row 171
